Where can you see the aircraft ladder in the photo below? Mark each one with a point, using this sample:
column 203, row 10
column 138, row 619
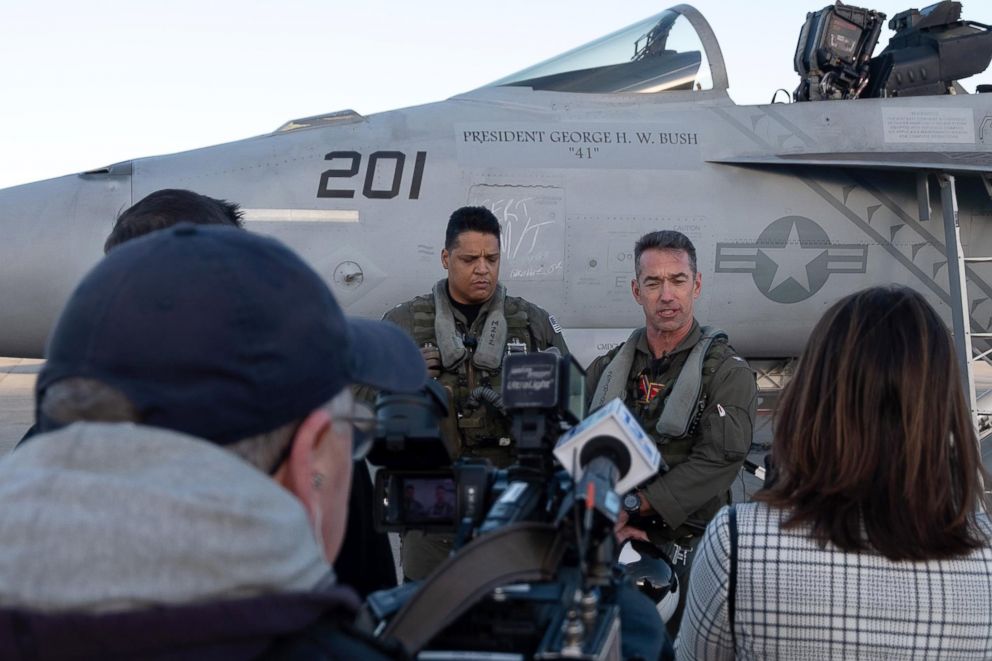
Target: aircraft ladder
column 960, row 310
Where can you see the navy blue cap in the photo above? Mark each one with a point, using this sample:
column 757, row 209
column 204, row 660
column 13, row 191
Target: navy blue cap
column 220, row 333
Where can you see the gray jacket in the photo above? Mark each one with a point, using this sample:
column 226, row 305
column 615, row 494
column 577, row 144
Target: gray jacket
column 111, row 517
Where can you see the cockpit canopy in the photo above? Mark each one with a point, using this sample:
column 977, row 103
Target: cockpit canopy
column 676, row 50
column 673, row 50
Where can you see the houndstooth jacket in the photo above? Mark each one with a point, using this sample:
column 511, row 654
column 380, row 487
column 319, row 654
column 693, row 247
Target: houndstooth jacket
column 795, row 600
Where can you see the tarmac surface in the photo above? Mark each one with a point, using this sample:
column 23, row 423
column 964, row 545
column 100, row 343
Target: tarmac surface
column 17, row 377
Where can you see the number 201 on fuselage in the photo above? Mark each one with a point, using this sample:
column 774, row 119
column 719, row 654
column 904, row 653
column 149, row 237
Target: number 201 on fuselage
column 375, row 159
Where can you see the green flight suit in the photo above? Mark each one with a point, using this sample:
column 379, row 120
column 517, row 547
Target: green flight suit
column 484, row 431
column 703, row 463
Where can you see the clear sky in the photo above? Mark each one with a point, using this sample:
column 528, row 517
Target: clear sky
column 86, row 84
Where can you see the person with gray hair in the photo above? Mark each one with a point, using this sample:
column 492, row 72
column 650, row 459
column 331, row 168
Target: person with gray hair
column 366, row 559
column 188, row 490
column 690, row 391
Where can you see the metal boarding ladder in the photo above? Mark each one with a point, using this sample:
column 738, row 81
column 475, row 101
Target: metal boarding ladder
column 979, row 403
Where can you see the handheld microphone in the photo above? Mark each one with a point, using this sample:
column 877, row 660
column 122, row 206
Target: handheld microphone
column 611, row 433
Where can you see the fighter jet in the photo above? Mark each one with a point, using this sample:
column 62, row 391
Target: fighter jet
column 877, row 169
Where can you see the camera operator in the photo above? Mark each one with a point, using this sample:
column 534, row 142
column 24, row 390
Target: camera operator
column 188, row 491
column 366, row 559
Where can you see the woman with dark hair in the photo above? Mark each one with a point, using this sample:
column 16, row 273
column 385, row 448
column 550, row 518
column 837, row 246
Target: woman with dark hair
column 874, row 541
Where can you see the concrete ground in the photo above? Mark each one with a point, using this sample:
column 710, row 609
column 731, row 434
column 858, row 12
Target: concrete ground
column 17, row 377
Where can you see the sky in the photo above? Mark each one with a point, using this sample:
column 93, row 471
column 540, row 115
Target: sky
column 83, row 85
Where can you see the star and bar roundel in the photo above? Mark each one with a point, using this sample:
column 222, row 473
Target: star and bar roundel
column 792, row 259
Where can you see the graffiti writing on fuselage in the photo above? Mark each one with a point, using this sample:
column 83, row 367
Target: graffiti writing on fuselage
column 521, row 232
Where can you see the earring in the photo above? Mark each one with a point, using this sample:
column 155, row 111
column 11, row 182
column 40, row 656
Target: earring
column 317, row 480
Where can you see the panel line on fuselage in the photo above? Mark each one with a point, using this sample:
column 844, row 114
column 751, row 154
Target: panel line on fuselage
column 301, row 215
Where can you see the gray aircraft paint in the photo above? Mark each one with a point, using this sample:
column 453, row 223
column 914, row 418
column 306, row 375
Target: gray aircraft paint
column 790, row 205
column 791, row 259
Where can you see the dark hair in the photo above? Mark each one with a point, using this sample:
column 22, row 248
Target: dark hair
column 873, row 442
column 470, row 219
column 663, row 240
column 166, row 207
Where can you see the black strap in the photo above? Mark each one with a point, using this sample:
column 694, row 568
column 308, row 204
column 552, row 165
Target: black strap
column 732, row 580
column 517, row 553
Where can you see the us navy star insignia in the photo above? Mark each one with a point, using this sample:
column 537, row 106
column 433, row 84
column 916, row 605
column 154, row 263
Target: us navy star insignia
column 792, row 259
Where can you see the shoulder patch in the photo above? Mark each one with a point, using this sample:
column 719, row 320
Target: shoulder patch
column 554, row 323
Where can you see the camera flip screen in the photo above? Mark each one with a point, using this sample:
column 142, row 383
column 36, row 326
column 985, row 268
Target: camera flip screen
column 422, row 500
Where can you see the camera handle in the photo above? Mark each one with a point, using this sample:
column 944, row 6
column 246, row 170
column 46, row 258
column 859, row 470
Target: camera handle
column 517, row 553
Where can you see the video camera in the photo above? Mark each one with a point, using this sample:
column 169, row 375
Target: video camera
column 534, row 568
column 422, row 485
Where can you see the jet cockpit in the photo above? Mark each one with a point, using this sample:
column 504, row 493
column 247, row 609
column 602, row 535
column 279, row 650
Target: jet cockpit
column 673, row 50
column 931, row 50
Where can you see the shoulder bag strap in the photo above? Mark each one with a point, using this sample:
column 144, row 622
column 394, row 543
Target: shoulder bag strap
column 732, row 579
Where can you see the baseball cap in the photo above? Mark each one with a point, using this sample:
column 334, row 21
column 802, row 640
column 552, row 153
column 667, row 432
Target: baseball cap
column 220, row 333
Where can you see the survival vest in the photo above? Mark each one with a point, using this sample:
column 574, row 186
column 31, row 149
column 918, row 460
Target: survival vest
column 485, row 431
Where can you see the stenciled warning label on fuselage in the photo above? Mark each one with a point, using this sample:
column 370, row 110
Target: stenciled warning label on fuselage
column 928, row 125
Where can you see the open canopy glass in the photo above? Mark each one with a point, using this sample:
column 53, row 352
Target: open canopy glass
column 664, row 52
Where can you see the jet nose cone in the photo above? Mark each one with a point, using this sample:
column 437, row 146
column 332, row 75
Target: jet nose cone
column 51, row 233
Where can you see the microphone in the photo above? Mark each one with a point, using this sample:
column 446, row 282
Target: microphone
column 610, row 437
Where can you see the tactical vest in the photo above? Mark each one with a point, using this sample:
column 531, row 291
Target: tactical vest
column 482, row 428
column 676, row 450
